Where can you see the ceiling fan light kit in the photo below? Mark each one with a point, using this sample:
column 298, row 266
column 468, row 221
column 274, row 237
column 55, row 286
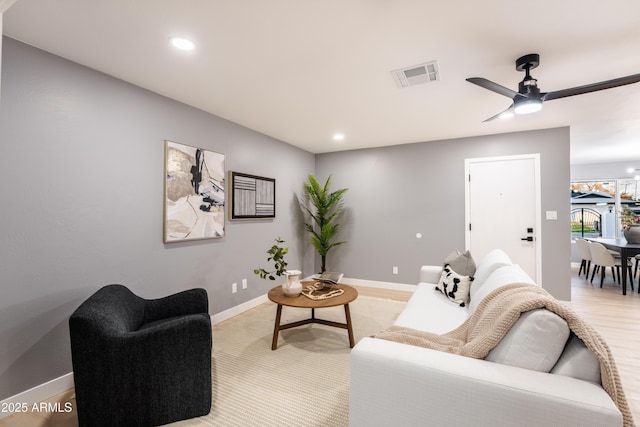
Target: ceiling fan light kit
column 529, row 99
column 527, row 106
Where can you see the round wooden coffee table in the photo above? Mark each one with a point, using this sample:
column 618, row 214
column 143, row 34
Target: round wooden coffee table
column 276, row 295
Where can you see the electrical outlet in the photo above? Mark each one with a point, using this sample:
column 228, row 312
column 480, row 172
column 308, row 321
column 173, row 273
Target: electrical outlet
column 234, row 288
column 244, row 283
column 395, row 270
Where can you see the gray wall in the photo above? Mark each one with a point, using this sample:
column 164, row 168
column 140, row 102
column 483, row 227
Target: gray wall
column 81, row 175
column 398, row 191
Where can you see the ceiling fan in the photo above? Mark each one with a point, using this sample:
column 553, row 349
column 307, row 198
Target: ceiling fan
column 529, row 99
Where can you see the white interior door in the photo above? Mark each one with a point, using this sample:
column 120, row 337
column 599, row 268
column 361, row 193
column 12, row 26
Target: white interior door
column 502, row 209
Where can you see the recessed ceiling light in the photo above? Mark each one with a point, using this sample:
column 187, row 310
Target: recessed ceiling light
column 182, row 43
column 338, row 137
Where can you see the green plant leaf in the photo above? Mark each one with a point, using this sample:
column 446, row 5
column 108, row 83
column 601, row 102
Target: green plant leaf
column 327, row 206
column 276, row 254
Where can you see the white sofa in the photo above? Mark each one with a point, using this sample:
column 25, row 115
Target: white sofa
column 394, row 384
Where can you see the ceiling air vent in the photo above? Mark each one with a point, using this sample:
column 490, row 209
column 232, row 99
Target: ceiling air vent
column 417, row 75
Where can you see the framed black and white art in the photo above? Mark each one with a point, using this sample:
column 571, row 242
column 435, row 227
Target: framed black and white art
column 252, row 197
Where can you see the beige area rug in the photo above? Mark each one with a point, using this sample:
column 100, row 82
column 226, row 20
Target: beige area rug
column 305, row 382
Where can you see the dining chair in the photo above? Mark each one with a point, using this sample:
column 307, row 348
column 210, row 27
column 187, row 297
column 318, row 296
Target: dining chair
column 637, row 261
column 603, row 258
column 585, row 256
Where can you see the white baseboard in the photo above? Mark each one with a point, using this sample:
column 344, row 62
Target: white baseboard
column 38, row 393
column 248, row 305
column 238, row 309
column 380, row 285
column 47, row 390
column 374, row 284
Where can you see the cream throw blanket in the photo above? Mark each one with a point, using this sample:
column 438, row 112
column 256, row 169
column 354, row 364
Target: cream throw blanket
column 493, row 318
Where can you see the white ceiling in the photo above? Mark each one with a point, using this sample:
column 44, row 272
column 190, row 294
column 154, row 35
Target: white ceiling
column 301, row 70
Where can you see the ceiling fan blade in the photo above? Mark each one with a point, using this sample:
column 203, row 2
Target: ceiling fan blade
column 508, row 110
column 579, row 90
column 494, row 87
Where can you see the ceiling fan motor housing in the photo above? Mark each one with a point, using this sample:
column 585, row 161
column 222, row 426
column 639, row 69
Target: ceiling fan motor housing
column 528, row 86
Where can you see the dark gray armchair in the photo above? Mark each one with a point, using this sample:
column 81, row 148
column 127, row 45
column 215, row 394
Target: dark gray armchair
column 139, row 362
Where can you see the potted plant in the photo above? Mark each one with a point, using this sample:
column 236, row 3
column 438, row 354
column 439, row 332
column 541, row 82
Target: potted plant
column 292, row 286
column 276, row 254
column 327, row 206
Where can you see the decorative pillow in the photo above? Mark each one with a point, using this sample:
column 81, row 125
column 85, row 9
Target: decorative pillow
column 462, row 263
column 454, row 286
column 534, row 342
column 577, row 361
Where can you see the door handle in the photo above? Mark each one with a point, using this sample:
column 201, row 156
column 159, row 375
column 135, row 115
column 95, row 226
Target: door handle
column 527, row 239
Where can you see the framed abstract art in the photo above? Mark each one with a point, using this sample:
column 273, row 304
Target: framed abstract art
column 194, row 193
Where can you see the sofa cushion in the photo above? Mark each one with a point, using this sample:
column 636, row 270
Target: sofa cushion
column 505, row 275
column 461, row 263
column 455, row 286
column 491, row 262
column 534, row 342
column 430, row 311
column 577, row 361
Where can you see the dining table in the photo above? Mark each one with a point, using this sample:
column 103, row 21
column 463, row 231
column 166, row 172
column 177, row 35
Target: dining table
column 626, row 250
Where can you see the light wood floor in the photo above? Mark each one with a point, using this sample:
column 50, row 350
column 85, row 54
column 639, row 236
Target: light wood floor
column 617, row 318
column 614, row 316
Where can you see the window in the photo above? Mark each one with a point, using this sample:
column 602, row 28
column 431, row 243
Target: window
column 603, row 208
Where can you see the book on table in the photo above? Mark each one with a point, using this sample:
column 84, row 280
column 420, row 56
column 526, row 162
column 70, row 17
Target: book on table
column 330, row 277
column 324, row 286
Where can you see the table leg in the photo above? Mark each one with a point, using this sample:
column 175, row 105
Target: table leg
column 276, row 328
column 347, row 315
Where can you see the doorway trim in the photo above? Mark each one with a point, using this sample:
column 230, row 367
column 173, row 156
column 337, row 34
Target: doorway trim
column 538, row 202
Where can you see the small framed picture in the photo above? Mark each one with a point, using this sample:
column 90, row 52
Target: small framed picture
column 252, row 197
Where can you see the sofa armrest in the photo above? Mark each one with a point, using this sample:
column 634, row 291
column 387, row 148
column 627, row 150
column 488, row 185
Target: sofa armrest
column 430, row 273
column 403, row 385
